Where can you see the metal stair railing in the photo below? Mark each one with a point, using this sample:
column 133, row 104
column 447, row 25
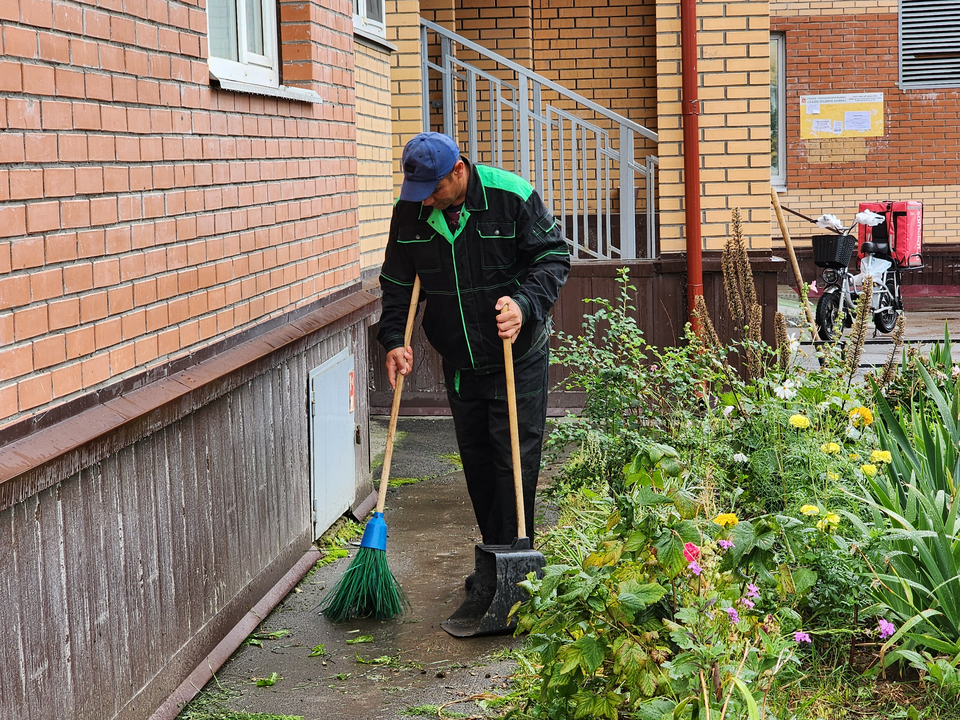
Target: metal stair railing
column 580, row 156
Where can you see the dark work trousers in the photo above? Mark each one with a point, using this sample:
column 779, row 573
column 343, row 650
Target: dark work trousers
column 478, row 402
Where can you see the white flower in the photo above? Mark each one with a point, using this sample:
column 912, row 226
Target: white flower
column 853, row 433
column 741, row 458
column 955, row 371
column 786, row 391
column 727, row 410
column 794, row 344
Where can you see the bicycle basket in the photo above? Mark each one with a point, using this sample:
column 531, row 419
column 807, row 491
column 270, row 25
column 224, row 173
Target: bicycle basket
column 833, row 251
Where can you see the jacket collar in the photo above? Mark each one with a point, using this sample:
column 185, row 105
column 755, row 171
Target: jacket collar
column 476, row 198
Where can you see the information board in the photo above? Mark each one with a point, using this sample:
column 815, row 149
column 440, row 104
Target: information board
column 835, row 116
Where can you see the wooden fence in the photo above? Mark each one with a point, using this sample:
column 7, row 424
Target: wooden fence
column 661, row 311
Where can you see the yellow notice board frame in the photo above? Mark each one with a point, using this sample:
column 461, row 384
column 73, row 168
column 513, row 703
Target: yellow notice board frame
column 840, row 116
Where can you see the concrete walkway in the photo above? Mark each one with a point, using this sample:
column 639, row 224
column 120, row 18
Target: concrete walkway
column 410, row 661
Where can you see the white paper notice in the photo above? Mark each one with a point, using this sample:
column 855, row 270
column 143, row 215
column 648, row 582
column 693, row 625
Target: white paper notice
column 838, row 127
column 857, row 120
column 813, row 108
column 821, row 126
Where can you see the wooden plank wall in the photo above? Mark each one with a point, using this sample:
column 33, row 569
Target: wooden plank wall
column 661, row 311
column 117, row 581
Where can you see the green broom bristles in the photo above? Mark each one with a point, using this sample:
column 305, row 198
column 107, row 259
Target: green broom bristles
column 367, row 589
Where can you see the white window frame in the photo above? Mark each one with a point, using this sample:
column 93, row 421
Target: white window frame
column 778, row 109
column 370, row 26
column 251, row 67
column 929, row 39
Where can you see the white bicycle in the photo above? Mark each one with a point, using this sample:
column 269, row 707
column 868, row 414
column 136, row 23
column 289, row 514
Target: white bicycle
column 842, row 288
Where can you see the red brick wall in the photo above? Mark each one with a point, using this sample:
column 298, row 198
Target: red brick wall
column 858, row 54
column 144, row 214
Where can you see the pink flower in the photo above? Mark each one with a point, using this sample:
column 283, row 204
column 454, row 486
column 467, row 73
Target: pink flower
column 746, row 602
column 732, row 614
column 725, row 544
column 801, row 637
column 752, row 591
column 691, row 552
column 694, row 568
column 886, row 629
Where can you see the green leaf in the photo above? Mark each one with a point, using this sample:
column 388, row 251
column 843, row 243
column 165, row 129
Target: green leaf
column 592, row 653
column 360, row 639
column 606, row 705
column 267, row 681
column 803, row 580
column 670, row 554
column 656, row 709
column 645, row 497
column 318, row 651
column 637, row 597
column 571, row 655
column 753, row 712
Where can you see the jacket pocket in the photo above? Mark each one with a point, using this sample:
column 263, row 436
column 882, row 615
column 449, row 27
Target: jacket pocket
column 423, row 245
column 499, row 244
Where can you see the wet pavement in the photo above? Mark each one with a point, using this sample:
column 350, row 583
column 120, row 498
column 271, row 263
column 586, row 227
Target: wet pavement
column 410, row 661
column 926, row 318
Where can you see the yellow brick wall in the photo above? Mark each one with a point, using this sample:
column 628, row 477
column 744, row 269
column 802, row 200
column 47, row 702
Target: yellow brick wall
column 405, row 82
column 604, row 50
column 374, row 151
column 734, row 72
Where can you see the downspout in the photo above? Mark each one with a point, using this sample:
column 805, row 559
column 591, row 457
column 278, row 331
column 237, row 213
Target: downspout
column 690, row 104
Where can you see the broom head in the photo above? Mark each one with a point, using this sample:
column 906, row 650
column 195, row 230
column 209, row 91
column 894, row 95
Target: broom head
column 367, row 588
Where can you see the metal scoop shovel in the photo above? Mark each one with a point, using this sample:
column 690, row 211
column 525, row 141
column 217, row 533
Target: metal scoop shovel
column 499, row 567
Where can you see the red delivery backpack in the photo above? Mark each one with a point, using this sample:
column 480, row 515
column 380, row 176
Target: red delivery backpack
column 901, row 231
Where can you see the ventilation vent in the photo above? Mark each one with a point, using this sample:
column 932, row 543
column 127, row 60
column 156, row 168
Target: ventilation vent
column 929, row 43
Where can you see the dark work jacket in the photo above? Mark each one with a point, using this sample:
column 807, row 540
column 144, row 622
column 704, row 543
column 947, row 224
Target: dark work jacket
column 507, row 243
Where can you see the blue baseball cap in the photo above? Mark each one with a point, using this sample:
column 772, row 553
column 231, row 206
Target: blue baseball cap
column 427, row 159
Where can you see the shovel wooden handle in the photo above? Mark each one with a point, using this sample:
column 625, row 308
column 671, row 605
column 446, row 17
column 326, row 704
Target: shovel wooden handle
column 395, row 408
column 514, row 436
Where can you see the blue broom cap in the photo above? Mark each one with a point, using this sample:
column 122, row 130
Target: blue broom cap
column 375, row 534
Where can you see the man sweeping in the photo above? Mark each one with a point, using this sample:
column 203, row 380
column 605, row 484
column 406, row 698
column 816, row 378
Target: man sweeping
column 491, row 260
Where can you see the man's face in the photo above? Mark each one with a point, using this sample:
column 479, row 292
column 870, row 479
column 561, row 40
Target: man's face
column 451, row 190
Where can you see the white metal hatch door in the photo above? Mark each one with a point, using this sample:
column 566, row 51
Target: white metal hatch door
column 332, row 444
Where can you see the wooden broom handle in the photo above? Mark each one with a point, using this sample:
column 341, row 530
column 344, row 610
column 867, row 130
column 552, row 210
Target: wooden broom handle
column 793, row 256
column 514, row 435
column 395, row 408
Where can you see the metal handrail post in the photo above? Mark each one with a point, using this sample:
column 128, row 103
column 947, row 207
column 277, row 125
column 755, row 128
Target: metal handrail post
column 425, row 76
column 628, row 207
column 651, row 165
column 446, row 50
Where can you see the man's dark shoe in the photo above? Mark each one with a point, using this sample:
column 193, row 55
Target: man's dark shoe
column 470, row 581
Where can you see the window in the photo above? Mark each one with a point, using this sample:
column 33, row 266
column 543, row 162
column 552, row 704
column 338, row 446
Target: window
column 370, row 16
column 243, row 41
column 778, row 103
column 929, row 43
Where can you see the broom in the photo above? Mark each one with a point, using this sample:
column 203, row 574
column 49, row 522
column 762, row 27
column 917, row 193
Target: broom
column 368, row 588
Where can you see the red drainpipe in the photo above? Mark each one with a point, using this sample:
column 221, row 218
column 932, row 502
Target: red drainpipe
column 690, row 104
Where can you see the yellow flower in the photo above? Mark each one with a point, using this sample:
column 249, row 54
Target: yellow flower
column 880, row 456
column 726, row 520
column 854, row 456
column 800, row 422
column 869, row 470
column 829, row 522
column 830, row 448
column 810, row 510
column 861, row 415
column 832, row 476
